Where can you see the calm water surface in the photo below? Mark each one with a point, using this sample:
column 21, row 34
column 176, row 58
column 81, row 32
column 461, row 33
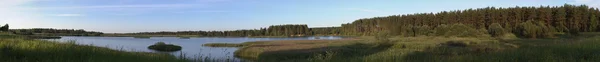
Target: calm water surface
column 191, row 48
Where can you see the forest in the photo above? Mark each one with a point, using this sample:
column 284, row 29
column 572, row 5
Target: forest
column 274, row 30
column 528, row 22
column 491, row 34
column 531, row 22
column 55, row 32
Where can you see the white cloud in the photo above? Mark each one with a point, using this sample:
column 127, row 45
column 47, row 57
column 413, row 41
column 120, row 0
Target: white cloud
column 18, row 17
column 9, row 3
column 68, row 15
column 592, row 3
column 121, row 6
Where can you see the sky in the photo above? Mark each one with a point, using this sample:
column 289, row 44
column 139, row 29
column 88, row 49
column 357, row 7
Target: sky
column 123, row 16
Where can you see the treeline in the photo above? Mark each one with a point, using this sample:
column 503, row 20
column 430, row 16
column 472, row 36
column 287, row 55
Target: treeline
column 55, row 32
column 274, row 30
column 282, row 30
column 529, row 22
column 325, row 31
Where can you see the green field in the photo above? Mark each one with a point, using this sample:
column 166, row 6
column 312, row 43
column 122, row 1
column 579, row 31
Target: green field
column 565, row 48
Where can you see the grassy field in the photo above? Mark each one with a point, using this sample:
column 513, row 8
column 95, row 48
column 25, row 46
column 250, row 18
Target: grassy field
column 15, row 49
column 565, row 48
column 582, row 48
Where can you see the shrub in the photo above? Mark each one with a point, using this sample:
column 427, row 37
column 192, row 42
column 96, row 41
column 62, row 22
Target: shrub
column 424, row 30
column 530, row 29
column 382, row 36
column 496, row 30
column 160, row 43
column 459, row 30
column 405, row 31
column 162, row 46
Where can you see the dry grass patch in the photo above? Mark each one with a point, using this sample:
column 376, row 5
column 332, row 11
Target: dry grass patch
column 254, row 50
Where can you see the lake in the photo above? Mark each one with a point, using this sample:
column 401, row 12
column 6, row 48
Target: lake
column 191, row 48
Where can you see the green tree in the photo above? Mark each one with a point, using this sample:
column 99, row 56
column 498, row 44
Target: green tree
column 4, row 28
column 532, row 29
column 496, row 29
column 593, row 23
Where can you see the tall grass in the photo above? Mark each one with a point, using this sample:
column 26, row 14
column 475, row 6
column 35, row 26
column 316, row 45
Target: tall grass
column 14, row 48
column 583, row 48
column 20, row 50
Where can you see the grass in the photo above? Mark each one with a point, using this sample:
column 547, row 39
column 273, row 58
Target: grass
column 15, row 48
column 577, row 49
column 222, row 45
column 184, row 37
column 8, row 35
column 43, row 37
column 565, row 48
column 290, row 49
column 21, row 50
column 142, row 37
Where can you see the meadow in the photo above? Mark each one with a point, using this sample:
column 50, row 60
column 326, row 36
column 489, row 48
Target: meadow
column 564, row 48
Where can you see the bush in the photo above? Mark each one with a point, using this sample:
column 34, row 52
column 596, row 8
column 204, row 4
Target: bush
column 453, row 30
column 405, row 31
column 422, row 30
column 382, row 36
column 496, row 30
column 459, row 30
column 162, row 46
column 530, row 29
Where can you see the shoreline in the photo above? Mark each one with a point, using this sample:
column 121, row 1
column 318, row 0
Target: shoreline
column 212, row 36
column 260, row 49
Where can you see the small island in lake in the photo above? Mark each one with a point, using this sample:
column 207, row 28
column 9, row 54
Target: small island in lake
column 162, row 46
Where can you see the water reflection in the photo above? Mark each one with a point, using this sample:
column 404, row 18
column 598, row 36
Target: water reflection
column 192, row 47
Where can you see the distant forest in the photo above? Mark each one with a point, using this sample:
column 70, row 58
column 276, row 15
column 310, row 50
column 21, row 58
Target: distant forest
column 523, row 21
column 275, row 30
column 531, row 22
column 55, row 32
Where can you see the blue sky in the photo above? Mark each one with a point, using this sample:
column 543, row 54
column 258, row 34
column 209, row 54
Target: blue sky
column 119, row 16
